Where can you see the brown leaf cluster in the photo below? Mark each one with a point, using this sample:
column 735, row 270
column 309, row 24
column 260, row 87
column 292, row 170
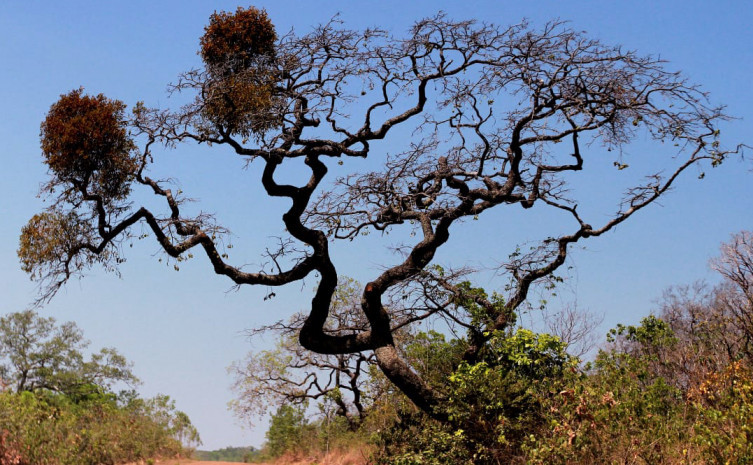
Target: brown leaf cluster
column 238, row 50
column 240, row 38
column 85, row 142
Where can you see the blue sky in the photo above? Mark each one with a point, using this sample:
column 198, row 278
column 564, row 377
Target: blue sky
column 182, row 329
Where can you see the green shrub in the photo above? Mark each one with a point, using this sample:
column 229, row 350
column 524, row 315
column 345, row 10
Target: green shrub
column 287, row 429
column 46, row 428
column 492, row 406
column 724, row 423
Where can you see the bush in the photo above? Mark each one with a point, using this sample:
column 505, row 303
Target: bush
column 492, row 406
column 630, row 407
column 724, row 409
column 45, row 428
column 527, row 402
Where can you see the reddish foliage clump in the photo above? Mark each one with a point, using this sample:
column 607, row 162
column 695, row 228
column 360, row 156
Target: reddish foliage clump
column 85, row 142
column 239, row 52
column 239, row 39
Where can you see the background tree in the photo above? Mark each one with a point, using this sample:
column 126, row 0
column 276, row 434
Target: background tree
column 709, row 325
column 498, row 117
column 291, row 375
column 50, row 427
column 575, row 327
column 735, row 296
column 287, row 429
column 59, row 406
column 36, row 353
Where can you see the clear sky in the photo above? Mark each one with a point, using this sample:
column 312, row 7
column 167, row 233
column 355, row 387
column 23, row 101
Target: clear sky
column 182, row 329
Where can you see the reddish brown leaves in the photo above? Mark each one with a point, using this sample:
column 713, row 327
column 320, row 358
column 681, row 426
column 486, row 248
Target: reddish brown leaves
column 85, row 142
column 243, row 103
column 239, row 52
column 238, row 39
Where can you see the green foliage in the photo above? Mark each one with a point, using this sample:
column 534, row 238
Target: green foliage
column 432, row 356
column 491, row 405
column 619, row 409
column 652, row 332
column 669, row 390
column 287, row 429
column 630, row 408
column 724, row 422
column 59, row 409
column 50, row 428
column 528, row 402
column 228, row 454
column 414, row 439
column 481, row 316
column 531, row 355
column 294, row 433
column 37, row 353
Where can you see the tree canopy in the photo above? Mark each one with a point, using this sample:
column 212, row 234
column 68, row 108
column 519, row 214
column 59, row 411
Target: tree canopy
column 37, row 353
column 488, row 117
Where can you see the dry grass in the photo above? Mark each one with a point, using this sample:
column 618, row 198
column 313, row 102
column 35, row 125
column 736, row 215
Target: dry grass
column 182, row 462
column 353, row 456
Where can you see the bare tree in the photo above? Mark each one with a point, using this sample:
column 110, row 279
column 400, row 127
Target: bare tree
column 706, row 339
column 492, row 117
column 710, row 325
column 291, row 374
column 735, row 295
column 575, row 327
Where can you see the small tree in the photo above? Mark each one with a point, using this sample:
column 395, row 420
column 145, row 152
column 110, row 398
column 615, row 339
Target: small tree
column 489, row 118
column 290, row 374
column 36, row 353
column 287, row 429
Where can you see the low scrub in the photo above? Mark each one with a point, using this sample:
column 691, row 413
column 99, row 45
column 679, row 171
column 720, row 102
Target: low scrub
column 43, row 428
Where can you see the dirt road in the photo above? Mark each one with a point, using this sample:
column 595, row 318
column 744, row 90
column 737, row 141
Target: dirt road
column 188, row 462
column 195, row 462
